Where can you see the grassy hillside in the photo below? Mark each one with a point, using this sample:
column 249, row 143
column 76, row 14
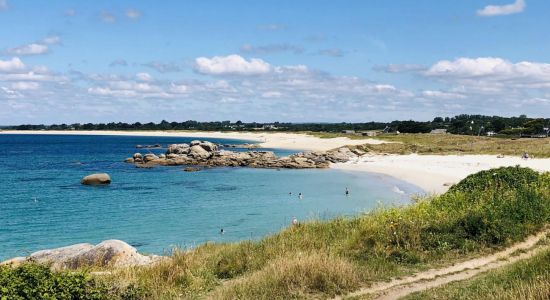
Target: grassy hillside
column 482, row 213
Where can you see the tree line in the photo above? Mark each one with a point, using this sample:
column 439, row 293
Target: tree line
column 460, row 124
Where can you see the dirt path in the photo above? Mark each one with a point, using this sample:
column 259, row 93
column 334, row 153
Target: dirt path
column 398, row 288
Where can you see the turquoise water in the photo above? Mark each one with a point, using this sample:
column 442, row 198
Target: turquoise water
column 43, row 205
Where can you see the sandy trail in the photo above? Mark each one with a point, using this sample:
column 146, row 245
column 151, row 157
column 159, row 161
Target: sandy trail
column 398, row 288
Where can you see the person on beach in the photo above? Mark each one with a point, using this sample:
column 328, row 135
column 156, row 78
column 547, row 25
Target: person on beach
column 525, row 155
column 347, row 192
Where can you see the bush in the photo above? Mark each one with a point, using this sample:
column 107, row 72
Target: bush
column 34, row 281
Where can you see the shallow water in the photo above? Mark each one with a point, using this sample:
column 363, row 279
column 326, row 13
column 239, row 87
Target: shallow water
column 43, row 205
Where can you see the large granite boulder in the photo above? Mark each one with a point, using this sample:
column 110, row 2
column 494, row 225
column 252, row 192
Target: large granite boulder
column 96, row 179
column 178, row 149
column 199, row 152
column 112, row 253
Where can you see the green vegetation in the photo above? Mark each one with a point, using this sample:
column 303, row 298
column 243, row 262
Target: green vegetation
column 31, row 281
column 461, row 124
column 445, row 144
column 529, row 279
column 481, row 214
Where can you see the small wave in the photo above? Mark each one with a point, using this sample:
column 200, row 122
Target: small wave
column 395, row 189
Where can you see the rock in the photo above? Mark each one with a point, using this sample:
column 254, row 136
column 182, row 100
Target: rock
column 191, row 169
column 195, row 143
column 113, row 253
column 209, row 146
column 197, row 151
column 129, row 160
column 13, row 262
column 137, row 156
column 177, row 149
column 96, row 179
column 149, row 157
column 162, row 156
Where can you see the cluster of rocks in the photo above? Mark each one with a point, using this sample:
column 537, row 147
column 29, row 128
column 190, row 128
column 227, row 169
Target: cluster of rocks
column 204, row 153
column 155, row 146
column 111, row 253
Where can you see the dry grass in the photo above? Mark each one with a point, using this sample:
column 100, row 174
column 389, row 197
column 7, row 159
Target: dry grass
column 301, row 276
column 460, row 144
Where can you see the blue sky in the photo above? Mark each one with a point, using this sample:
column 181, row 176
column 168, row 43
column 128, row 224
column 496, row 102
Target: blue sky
column 101, row 61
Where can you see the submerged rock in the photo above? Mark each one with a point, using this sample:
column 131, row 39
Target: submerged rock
column 96, row 179
column 112, row 253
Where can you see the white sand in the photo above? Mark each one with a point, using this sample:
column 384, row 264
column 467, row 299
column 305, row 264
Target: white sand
column 280, row 140
column 434, row 173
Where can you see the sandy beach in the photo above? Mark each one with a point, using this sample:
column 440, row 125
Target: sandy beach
column 432, row 173
column 293, row 141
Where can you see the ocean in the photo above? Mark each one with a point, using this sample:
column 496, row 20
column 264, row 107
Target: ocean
column 43, row 205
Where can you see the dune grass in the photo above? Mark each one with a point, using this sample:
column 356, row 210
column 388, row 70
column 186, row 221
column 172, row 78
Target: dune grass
column 446, row 144
column 528, row 279
column 481, row 214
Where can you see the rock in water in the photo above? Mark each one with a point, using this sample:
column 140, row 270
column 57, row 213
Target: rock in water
column 96, row 179
column 113, row 253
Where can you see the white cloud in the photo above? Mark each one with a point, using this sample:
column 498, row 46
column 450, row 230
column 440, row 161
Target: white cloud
column 231, row 65
column 133, row 13
column 491, row 69
column 107, row 17
column 271, row 94
column 178, row 88
column 25, row 85
column 36, row 48
column 501, row 10
column 14, row 64
column 30, row 49
column 442, row 95
column 144, row 76
column 52, row 40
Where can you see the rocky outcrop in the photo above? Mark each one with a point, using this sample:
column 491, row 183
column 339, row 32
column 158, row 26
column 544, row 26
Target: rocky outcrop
column 96, row 179
column 203, row 153
column 110, row 253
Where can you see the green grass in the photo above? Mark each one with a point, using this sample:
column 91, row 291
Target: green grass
column 483, row 213
column 528, row 279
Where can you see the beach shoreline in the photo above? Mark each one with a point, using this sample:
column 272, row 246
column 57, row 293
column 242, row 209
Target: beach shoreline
column 433, row 173
column 436, row 173
column 281, row 140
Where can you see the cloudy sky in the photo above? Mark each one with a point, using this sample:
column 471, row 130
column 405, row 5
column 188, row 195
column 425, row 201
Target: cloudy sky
column 280, row 60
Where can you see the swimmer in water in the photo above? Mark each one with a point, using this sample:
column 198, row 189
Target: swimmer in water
column 300, row 196
column 221, row 231
column 294, row 221
column 347, row 192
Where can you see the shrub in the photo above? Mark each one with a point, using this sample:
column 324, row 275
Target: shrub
column 34, row 281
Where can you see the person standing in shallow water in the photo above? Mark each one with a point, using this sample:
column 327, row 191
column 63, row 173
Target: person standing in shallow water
column 347, row 192
column 300, row 196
